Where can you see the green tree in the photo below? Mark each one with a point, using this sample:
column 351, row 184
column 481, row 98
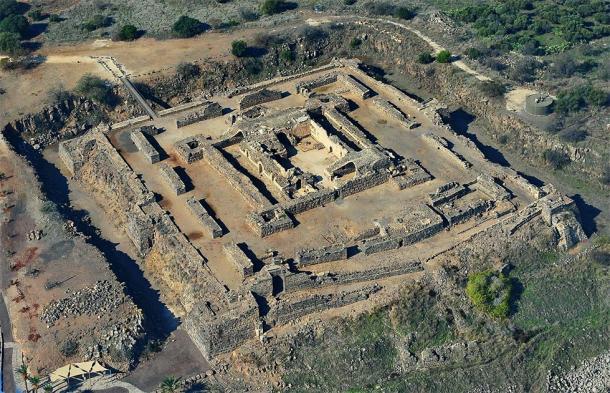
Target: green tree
column 95, row 88
column 270, row 7
column 239, row 48
column 9, row 43
column 287, row 55
column 170, row 385
column 127, row 33
column 48, row 388
column 404, row 13
column 10, row 7
column 36, row 15
column 97, row 22
column 556, row 159
column 443, row 56
column 25, row 374
column 186, row 27
column 355, row 43
column 17, row 24
column 35, row 381
column 425, row 58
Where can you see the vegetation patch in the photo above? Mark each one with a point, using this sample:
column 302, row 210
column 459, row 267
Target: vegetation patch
column 490, row 292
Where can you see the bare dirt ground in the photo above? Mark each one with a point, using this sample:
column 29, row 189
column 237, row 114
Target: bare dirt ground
column 28, row 91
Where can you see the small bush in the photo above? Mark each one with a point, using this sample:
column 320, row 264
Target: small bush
column 490, row 292
column 524, row 70
column 69, row 348
column 473, row 53
column 239, row 48
column 503, row 139
column 381, row 9
column 404, row 13
column 186, row 27
column 271, row 7
column 186, row 71
column 601, row 257
column 55, row 18
column 95, row 88
column 248, row 15
column 10, row 7
column 36, row 15
column 425, row 58
column 493, row 89
column 443, row 56
column 349, row 2
column 573, row 135
column 556, row 159
column 355, row 43
column 127, row 33
column 97, row 22
column 10, row 43
column 287, row 55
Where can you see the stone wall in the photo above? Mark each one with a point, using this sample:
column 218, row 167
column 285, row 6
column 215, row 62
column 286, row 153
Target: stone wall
column 310, row 201
column 205, row 219
column 387, row 108
column 235, row 178
column 145, row 147
column 239, row 259
column 363, row 182
column 488, row 186
column 306, row 87
column 208, row 111
column 259, row 97
column 344, row 124
column 456, row 215
column 446, row 193
column 172, row 179
column 442, row 146
column 270, row 221
column 334, row 252
column 357, row 87
column 286, row 310
column 380, row 244
column 214, row 334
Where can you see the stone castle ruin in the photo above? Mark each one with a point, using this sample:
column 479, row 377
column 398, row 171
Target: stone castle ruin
column 315, row 190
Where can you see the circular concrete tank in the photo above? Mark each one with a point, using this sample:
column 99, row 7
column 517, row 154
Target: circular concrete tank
column 539, row 104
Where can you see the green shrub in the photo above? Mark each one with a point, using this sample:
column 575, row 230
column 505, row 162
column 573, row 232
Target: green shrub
column 581, row 97
column 287, row 55
column 556, row 159
column 97, row 22
column 425, row 58
column 349, row 2
column 186, row 27
column 270, row 7
column 248, row 15
column 127, row 33
column 503, row 139
column 473, row 53
column 355, row 43
column 404, row 13
column 36, row 15
column 10, row 7
column 239, row 48
column 443, row 56
column 17, row 24
column 95, row 88
column 9, row 43
column 573, row 135
column 492, row 88
column 490, row 292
